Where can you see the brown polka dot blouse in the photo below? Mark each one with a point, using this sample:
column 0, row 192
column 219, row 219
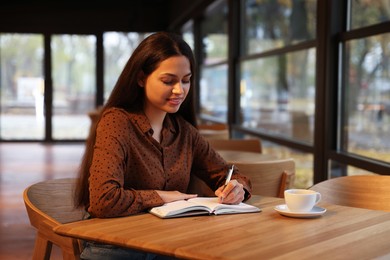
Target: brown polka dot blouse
column 129, row 164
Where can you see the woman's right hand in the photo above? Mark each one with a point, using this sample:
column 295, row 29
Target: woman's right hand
column 169, row 196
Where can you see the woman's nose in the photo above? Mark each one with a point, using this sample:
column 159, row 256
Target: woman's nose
column 177, row 88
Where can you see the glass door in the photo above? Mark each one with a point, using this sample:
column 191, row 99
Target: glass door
column 21, row 87
column 74, row 85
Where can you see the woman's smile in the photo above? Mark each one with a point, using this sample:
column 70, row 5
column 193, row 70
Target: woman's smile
column 175, row 101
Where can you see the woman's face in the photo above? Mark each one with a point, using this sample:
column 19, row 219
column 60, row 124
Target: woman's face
column 167, row 86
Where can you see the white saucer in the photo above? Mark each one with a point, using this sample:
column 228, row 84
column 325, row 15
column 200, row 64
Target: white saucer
column 315, row 212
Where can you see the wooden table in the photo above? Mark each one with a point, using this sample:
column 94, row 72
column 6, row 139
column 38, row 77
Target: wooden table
column 214, row 134
column 245, row 157
column 342, row 232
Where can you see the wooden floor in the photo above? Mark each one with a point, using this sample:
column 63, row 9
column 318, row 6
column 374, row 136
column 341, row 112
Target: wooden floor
column 20, row 166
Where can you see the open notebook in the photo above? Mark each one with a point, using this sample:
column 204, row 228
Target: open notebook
column 200, row 206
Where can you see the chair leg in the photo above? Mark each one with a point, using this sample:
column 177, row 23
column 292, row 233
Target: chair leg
column 69, row 256
column 71, row 249
column 42, row 248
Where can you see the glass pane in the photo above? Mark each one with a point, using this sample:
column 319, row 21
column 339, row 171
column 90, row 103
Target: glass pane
column 21, row 87
column 303, row 162
column 278, row 94
column 273, row 24
column 214, row 92
column 367, row 104
column 74, row 85
column 215, row 35
column 369, row 12
column 188, row 34
column 118, row 48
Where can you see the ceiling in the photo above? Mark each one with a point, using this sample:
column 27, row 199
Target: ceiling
column 88, row 16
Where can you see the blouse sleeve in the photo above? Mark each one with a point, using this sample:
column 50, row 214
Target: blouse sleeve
column 212, row 168
column 108, row 198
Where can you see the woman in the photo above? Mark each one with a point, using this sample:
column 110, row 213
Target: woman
column 146, row 145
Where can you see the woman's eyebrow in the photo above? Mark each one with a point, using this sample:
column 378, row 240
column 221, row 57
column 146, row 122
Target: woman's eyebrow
column 174, row 75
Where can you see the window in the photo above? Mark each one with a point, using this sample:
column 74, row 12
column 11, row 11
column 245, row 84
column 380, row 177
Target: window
column 367, row 100
column 277, row 97
column 274, row 24
column 364, row 13
column 22, row 87
column 213, row 92
column 188, row 34
column 118, row 48
column 303, row 162
column 27, row 111
column 213, row 79
column 365, row 90
column 277, row 83
column 74, row 85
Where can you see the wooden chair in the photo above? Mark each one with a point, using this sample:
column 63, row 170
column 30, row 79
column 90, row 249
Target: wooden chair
column 214, row 131
column 247, row 145
column 214, row 126
column 268, row 178
column 361, row 191
column 49, row 204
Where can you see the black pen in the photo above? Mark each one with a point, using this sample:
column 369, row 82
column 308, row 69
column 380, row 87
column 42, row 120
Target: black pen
column 228, row 178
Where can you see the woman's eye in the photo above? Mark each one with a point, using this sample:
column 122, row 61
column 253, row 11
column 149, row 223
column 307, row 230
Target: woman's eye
column 170, row 82
column 166, row 82
column 186, row 80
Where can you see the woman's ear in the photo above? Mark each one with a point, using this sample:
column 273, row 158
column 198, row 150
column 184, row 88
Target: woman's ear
column 141, row 79
column 141, row 83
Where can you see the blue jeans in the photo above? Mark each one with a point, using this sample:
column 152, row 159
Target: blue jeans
column 96, row 251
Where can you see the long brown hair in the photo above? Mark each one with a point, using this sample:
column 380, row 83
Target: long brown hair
column 128, row 95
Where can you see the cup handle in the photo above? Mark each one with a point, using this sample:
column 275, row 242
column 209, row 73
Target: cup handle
column 318, row 197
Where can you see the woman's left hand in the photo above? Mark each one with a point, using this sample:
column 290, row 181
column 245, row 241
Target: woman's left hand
column 169, row 196
column 233, row 193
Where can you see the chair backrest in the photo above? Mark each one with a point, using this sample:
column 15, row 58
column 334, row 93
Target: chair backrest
column 54, row 200
column 212, row 126
column 49, row 204
column 247, row 145
column 361, row 191
column 269, row 178
column 214, row 131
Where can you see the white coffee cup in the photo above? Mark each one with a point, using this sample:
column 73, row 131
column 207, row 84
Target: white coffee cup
column 301, row 200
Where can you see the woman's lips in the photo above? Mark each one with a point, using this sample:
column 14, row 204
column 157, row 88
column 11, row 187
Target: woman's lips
column 175, row 101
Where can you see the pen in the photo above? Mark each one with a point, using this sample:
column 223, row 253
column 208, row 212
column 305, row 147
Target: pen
column 229, row 175
column 228, row 178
